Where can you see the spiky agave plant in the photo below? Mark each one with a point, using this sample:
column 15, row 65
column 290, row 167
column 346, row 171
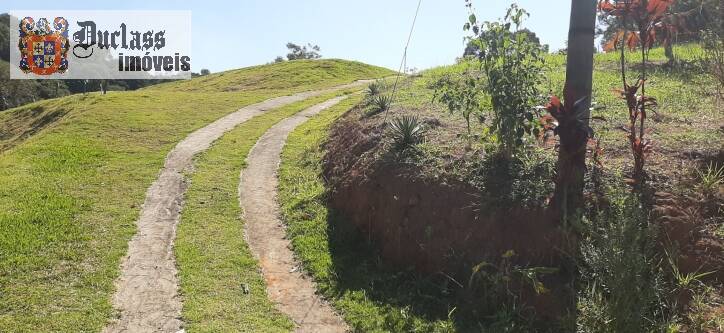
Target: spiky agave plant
column 406, row 131
column 375, row 88
column 379, row 104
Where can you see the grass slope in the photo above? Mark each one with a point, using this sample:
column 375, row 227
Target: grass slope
column 215, row 265
column 72, row 190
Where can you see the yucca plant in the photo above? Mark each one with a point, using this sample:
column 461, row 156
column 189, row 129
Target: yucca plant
column 375, row 88
column 379, row 104
column 406, row 131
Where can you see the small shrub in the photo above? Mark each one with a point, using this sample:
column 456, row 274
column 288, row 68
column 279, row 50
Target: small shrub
column 624, row 288
column 461, row 94
column 593, row 311
column 406, row 131
column 513, row 64
column 703, row 308
column 523, row 181
column 685, row 281
column 379, row 104
column 648, row 19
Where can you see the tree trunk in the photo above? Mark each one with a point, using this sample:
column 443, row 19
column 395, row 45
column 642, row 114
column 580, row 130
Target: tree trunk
column 579, row 76
column 669, row 53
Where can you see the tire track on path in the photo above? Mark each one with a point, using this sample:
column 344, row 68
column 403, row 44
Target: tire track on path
column 292, row 291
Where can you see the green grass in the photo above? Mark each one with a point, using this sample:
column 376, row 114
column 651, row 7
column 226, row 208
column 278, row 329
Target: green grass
column 20, row 123
column 71, row 192
column 214, row 261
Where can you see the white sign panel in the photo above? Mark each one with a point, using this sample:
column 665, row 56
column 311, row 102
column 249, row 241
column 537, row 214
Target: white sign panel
column 100, row 44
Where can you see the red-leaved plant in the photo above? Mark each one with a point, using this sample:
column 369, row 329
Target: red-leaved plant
column 648, row 18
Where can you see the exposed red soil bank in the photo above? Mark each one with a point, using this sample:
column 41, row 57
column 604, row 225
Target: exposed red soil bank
column 429, row 224
column 681, row 223
column 436, row 226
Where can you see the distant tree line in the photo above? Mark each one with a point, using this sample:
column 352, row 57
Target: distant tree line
column 18, row 92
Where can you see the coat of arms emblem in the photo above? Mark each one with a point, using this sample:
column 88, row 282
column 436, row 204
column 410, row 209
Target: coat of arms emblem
column 43, row 50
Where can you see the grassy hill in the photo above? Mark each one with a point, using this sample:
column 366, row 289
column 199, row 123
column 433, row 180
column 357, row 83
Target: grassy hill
column 75, row 171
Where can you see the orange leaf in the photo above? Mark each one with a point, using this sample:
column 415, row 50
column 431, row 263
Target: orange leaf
column 657, row 8
column 612, row 44
column 555, row 101
column 632, row 40
column 606, row 5
column 554, row 105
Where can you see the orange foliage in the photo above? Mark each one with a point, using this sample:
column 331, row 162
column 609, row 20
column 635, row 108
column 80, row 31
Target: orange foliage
column 650, row 16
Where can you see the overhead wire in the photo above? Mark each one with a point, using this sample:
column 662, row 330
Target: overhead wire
column 403, row 62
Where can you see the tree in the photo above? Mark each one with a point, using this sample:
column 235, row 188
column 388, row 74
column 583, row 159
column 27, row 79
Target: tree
column 573, row 116
column 205, row 71
column 278, row 59
column 692, row 20
column 302, row 52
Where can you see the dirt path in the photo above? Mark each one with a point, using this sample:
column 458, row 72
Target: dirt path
column 293, row 292
column 147, row 289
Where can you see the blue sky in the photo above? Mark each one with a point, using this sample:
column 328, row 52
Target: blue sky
column 231, row 34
